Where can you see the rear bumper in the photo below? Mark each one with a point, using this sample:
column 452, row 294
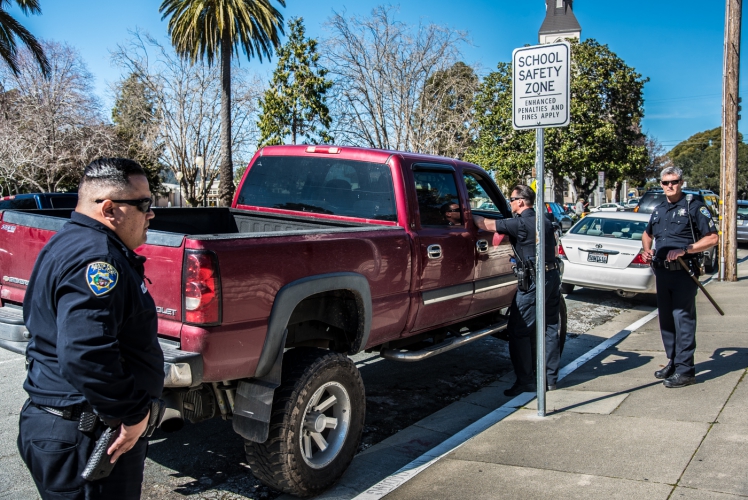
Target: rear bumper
column 13, row 333
column 630, row 279
column 181, row 368
column 742, row 234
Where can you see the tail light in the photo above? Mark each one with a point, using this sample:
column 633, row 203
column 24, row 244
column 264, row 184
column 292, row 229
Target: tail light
column 548, row 207
column 638, row 261
column 561, row 252
column 201, row 296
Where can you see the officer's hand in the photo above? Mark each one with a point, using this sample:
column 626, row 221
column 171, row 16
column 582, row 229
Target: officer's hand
column 480, row 222
column 647, row 256
column 674, row 254
column 128, row 436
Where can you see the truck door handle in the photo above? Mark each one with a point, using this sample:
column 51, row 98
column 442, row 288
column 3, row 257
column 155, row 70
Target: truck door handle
column 434, row 251
column 482, row 246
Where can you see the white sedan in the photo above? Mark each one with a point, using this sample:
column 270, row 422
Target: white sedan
column 603, row 251
column 607, row 207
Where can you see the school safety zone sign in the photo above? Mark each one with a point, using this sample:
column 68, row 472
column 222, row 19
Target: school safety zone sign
column 540, row 86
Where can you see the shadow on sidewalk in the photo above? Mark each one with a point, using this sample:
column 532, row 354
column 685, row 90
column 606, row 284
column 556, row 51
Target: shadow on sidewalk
column 722, row 361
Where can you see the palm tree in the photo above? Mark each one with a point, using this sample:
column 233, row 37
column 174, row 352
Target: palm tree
column 203, row 29
column 10, row 29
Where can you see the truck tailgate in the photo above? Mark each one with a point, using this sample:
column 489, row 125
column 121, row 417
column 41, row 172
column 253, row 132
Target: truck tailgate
column 22, row 237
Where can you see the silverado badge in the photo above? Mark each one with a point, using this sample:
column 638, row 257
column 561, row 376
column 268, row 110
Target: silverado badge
column 101, row 277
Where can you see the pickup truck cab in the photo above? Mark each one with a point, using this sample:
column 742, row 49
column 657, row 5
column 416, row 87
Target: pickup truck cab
column 326, row 252
column 39, row 200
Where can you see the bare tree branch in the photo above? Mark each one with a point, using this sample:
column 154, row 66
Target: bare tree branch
column 187, row 99
column 381, row 68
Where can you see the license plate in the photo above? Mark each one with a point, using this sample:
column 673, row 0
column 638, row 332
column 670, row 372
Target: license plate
column 600, row 258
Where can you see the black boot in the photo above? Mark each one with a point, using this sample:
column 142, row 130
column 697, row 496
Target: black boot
column 665, row 372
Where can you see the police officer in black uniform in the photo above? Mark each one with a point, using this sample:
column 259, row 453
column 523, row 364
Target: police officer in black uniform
column 93, row 349
column 521, row 328
column 678, row 228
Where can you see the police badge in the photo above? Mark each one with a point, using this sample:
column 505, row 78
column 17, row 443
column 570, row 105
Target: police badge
column 682, row 212
column 101, row 277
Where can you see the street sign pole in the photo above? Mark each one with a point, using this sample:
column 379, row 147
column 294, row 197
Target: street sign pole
column 540, row 99
column 540, row 269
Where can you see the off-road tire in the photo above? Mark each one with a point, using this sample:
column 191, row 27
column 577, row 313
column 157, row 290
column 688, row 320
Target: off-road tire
column 279, row 462
column 567, row 288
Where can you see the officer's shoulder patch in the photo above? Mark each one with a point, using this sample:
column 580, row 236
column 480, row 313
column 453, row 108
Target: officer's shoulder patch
column 705, row 212
column 101, row 277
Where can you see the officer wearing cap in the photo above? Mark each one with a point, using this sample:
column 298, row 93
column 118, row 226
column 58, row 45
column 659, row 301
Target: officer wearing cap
column 679, row 227
column 93, row 349
column 521, row 328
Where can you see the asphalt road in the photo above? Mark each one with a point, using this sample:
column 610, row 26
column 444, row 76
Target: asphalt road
column 207, row 460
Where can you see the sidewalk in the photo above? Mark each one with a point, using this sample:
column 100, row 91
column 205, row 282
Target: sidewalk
column 614, row 431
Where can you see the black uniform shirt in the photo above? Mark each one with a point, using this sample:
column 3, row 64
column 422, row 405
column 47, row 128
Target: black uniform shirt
column 521, row 232
column 93, row 325
column 670, row 228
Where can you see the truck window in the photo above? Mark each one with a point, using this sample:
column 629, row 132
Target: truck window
column 480, row 200
column 63, row 201
column 321, row 185
column 438, row 202
column 18, row 203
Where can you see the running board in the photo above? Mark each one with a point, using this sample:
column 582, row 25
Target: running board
column 447, row 345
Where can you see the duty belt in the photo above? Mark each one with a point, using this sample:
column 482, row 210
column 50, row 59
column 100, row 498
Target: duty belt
column 81, row 412
column 673, row 265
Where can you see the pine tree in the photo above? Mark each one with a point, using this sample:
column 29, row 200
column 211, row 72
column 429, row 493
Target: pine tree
column 295, row 104
column 136, row 127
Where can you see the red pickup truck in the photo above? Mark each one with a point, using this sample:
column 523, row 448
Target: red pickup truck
column 326, row 252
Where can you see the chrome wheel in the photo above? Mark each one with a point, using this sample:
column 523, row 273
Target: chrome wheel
column 324, row 428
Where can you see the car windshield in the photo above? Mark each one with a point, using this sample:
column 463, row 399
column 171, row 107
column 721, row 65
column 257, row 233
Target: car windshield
column 324, row 185
column 610, row 228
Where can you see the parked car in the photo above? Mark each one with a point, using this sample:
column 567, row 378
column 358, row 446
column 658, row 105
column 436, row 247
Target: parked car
column 325, row 252
column 629, row 205
column 742, row 221
column 39, row 200
column 607, row 207
column 654, row 197
column 603, row 251
column 558, row 215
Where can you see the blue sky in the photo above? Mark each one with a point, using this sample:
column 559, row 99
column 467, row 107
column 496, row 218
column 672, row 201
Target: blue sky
column 676, row 43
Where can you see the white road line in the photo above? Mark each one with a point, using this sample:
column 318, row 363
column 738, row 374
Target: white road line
column 409, row 471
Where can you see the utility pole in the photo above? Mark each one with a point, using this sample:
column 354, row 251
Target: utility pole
column 729, row 162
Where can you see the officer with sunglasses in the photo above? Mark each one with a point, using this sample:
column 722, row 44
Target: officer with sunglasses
column 678, row 227
column 521, row 327
column 93, row 357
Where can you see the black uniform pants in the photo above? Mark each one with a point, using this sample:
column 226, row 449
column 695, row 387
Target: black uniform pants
column 56, row 452
column 522, row 335
column 676, row 301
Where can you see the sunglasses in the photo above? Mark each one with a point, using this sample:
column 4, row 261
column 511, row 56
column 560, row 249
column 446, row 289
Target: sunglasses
column 515, row 199
column 143, row 204
column 670, row 183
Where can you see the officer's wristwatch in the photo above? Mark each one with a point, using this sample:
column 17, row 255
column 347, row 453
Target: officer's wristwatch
column 685, row 249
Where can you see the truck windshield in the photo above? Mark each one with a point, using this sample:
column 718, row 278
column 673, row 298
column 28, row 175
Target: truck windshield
column 321, row 185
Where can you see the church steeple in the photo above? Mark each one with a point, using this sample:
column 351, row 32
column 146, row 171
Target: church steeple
column 560, row 22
